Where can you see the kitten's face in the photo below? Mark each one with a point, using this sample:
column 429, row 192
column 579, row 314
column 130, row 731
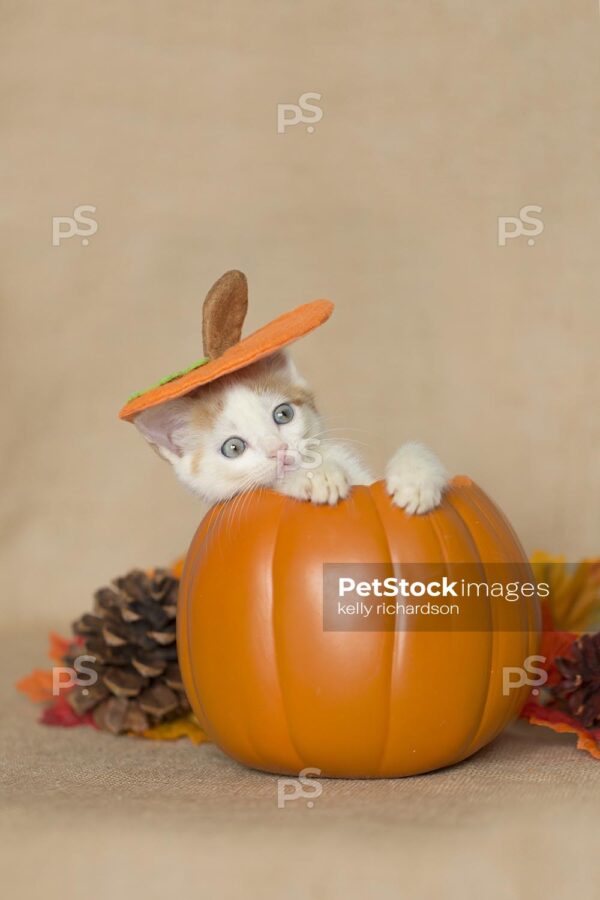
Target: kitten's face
column 232, row 436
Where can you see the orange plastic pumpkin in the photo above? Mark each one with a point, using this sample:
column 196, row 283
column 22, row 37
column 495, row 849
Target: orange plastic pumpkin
column 278, row 692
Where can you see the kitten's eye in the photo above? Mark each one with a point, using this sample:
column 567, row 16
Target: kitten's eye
column 232, row 447
column 283, row 413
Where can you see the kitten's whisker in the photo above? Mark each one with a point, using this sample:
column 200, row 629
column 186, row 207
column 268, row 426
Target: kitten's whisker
column 325, row 420
column 240, row 499
column 217, row 521
column 228, row 508
column 246, row 500
column 316, row 434
column 234, row 502
column 340, row 430
column 325, row 436
column 342, row 440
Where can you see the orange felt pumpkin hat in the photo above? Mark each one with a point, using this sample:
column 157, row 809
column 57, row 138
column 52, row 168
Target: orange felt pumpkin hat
column 223, row 315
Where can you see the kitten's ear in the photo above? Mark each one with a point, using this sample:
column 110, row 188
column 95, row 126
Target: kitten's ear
column 286, row 362
column 223, row 313
column 165, row 427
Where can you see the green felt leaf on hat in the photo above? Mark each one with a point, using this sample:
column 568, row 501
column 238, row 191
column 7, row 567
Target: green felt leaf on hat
column 196, row 365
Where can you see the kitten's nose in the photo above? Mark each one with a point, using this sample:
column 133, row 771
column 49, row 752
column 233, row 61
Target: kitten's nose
column 274, row 446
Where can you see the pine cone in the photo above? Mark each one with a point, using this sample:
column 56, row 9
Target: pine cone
column 131, row 635
column 580, row 684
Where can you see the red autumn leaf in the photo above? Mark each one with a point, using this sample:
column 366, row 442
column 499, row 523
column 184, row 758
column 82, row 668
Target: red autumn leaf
column 61, row 713
column 555, row 644
column 547, row 619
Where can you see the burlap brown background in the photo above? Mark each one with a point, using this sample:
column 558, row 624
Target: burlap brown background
column 438, row 117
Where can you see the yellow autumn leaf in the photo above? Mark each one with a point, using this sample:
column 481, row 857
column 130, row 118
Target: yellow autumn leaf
column 187, row 726
column 574, row 600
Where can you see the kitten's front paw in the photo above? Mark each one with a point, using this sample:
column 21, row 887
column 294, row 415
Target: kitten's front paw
column 416, row 479
column 328, row 483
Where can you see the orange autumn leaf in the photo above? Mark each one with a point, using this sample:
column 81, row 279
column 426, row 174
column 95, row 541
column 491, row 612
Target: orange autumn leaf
column 37, row 686
column 177, row 567
column 58, row 647
column 178, row 728
column 548, row 717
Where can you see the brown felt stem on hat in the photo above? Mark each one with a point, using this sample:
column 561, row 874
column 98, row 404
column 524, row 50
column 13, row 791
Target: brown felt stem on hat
column 223, row 313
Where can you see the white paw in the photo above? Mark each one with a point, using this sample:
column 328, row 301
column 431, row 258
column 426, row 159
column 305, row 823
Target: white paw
column 414, row 496
column 327, row 484
column 416, row 479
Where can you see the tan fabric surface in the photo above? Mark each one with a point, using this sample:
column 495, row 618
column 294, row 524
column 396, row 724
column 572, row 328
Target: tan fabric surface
column 86, row 814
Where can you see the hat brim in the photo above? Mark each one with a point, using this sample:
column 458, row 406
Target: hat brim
column 267, row 340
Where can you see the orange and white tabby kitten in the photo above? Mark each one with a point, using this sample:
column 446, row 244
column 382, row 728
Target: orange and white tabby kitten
column 259, row 427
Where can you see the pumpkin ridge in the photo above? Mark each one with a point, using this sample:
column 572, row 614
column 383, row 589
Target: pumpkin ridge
column 280, row 680
column 474, row 742
column 475, row 493
column 467, row 744
column 481, row 500
column 394, row 644
column 249, row 729
column 217, row 526
column 217, row 516
column 189, row 576
column 533, row 623
column 236, row 506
